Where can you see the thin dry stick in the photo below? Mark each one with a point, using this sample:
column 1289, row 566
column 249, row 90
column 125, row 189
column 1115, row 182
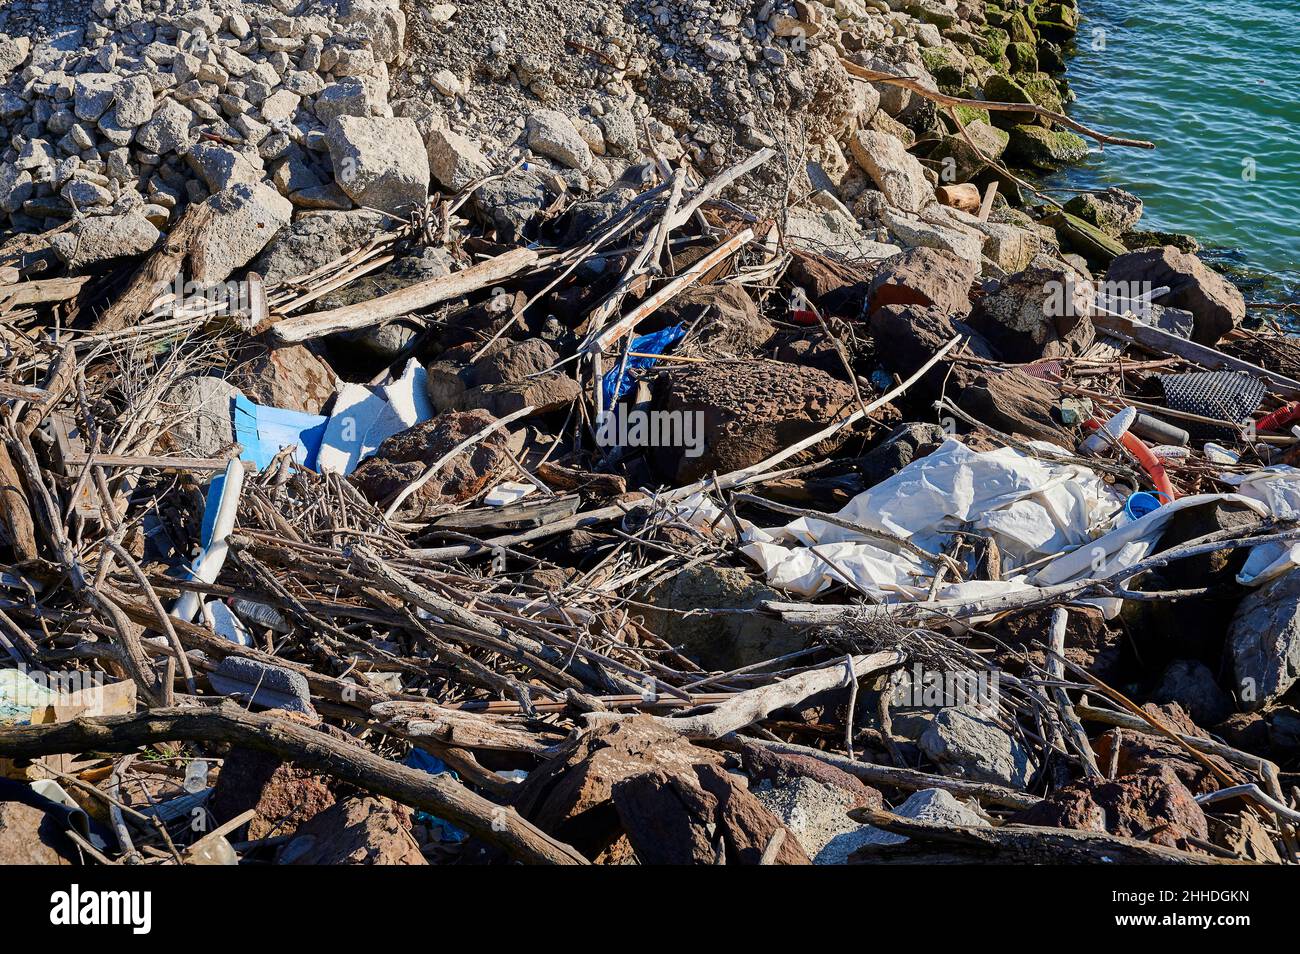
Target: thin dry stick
column 433, row 468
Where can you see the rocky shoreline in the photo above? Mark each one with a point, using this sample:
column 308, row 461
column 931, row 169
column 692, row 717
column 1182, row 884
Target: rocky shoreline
column 116, row 125
column 397, row 399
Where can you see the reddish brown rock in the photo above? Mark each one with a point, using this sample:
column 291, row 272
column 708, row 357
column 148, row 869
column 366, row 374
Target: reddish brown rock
column 907, row 336
column 356, row 831
column 289, row 376
column 929, row 277
column 1153, row 807
column 1143, row 752
column 571, row 795
column 405, row 456
column 749, row 412
column 1214, row 301
column 29, row 836
column 733, row 326
column 283, row 795
column 836, row 288
column 699, row 817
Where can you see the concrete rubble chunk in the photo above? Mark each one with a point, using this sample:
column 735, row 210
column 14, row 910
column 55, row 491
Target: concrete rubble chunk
column 895, row 171
column 380, row 162
column 103, row 238
column 168, row 130
column 454, row 160
column 246, row 217
column 551, row 134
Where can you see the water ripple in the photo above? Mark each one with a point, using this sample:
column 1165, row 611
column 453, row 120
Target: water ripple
column 1213, row 84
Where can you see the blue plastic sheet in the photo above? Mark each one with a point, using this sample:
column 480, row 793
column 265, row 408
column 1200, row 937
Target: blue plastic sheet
column 618, row 382
column 425, row 762
column 263, row 431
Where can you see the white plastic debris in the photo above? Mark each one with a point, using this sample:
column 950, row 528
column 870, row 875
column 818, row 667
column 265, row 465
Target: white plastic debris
column 504, row 494
column 363, row 419
column 207, row 565
column 1109, row 433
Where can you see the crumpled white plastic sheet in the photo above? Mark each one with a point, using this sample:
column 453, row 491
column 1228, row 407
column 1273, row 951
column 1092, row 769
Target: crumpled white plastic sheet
column 1058, row 522
column 1033, row 509
column 1278, row 490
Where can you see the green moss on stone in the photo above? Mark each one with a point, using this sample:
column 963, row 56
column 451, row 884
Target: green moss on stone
column 1142, row 238
column 1043, row 148
column 969, row 114
column 995, row 44
column 1042, row 89
column 1019, row 29
column 1022, row 57
column 1085, row 239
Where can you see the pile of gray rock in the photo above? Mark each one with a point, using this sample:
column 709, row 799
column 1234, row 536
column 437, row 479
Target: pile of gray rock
column 261, row 109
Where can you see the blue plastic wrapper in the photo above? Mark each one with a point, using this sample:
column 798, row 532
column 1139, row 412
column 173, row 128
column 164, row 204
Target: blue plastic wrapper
column 425, row 762
column 264, row 430
column 618, row 382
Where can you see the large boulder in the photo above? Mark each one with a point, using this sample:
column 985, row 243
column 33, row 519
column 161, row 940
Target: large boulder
column 927, row 277
column 895, row 171
column 927, row 805
column 1217, row 304
column 1264, row 642
column 748, row 412
column 1192, row 685
column 962, row 157
column 380, row 162
column 454, row 160
column 571, row 794
column 31, row 836
column 245, row 218
column 1153, row 807
column 507, row 377
column 834, row 233
column 283, row 795
column 1037, row 313
column 734, row 326
column 907, row 336
column 200, row 409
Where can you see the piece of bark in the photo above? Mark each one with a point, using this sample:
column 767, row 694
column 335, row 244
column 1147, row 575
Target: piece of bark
column 1026, row 844
column 14, row 510
column 158, row 271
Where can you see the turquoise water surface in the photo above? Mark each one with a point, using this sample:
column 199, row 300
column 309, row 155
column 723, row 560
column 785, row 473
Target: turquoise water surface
column 1214, row 83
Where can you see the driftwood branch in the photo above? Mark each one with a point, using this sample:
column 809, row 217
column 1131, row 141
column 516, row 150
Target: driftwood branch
column 437, row 794
column 405, row 300
column 943, row 99
column 1032, row 844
